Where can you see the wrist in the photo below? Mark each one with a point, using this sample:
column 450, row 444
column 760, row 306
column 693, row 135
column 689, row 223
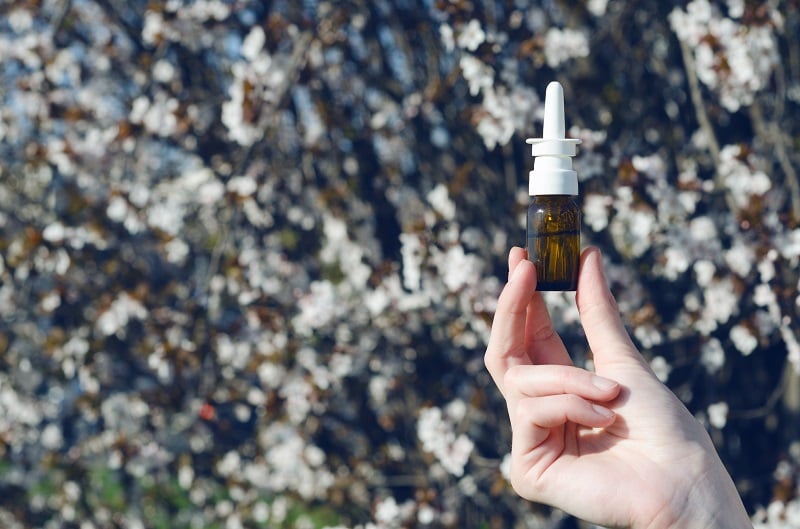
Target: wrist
column 719, row 516
column 711, row 503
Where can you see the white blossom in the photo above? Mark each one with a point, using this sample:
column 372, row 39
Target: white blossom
column 702, row 229
column 229, row 464
column 597, row 7
column 411, row 252
column 764, row 296
column 741, row 181
column 177, row 250
column 378, row 389
column 436, row 432
column 720, row 303
column 446, row 36
column 390, row 514
column 632, row 230
column 477, row 74
column 740, row 259
column 163, row 71
column 661, row 368
column 704, row 271
column 471, row 36
column 51, row 437
column 712, row 355
column 562, row 45
column 718, row 414
column 503, row 114
column 457, row 268
column 115, row 318
column 440, row 199
column 596, row 211
column 244, row 186
column 426, row 515
column 505, row 467
column 743, row 339
column 253, row 43
column 319, row 307
column 678, row 262
column 54, row 232
column 735, row 8
column 158, row 116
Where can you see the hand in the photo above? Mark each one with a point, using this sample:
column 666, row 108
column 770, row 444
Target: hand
column 616, row 447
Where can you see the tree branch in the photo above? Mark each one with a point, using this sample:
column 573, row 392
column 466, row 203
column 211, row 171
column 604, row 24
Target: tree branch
column 704, row 122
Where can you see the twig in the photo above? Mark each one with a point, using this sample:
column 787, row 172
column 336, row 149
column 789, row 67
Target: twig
column 788, row 171
column 704, row 122
column 700, row 109
column 774, row 134
column 770, row 133
column 767, row 407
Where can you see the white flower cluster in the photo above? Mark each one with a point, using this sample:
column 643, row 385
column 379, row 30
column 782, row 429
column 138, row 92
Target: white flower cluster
column 503, row 110
column 436, row 430
column 390, row 514
column 778, row 515
column 562, row 45
column 326, row 302
column 739, row 178
column 259, row 78
column 291, row 463
column 734, row 59
column 114, row 319
column 506, row 109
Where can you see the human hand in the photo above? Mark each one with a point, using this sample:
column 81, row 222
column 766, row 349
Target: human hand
column 615, row 448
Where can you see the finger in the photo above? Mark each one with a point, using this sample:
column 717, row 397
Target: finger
column 605, row 332
column 515, row 256
column 522, row 336
column 543, row 344
column 507, row 339
column 541, row 339
column 543, row 380
column 534, row 417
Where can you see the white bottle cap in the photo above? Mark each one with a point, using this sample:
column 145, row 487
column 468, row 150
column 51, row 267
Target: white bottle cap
column 552, row 170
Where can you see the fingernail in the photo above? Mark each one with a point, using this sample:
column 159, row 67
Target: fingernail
column 516, row 272
column 598, row 255
column 603, row 383
column 600, row 410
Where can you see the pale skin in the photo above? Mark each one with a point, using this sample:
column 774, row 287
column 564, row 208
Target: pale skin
column 614, row 447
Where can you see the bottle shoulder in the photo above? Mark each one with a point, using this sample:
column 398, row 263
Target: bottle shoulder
column 554, row 199
column 553, row 203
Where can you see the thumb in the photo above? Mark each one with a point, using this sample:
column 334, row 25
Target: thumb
column 605, row 332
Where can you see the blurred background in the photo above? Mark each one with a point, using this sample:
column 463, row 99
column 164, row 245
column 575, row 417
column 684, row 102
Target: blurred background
column 250, row 251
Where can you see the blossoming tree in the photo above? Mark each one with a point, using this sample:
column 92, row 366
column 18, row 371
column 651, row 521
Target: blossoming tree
column 249, row 251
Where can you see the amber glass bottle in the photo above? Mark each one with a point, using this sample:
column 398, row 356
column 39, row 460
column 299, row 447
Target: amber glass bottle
column 554, row 241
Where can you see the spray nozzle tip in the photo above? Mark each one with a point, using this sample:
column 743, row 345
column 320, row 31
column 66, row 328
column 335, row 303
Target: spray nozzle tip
column 554, row 127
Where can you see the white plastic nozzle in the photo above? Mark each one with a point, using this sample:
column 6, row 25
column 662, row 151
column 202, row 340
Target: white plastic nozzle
column 552, row 170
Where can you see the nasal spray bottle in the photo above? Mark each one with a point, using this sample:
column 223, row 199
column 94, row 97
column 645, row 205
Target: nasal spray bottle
column 554, row 218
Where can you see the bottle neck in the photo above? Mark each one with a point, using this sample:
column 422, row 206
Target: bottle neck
column 553, row 198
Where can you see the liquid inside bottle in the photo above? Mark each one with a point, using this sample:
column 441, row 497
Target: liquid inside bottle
column 554, row 241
